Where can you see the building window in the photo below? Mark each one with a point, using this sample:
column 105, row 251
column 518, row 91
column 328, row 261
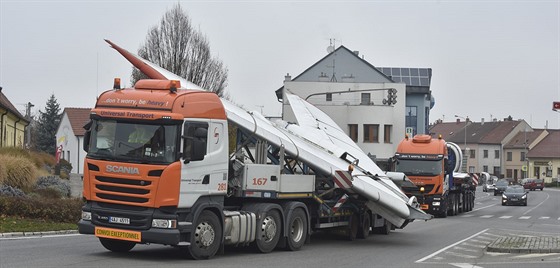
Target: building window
column 549, row 171
column 371, row 133
column 366, row 99
column 485, row 153
column 473, row 153
column 509, row 156
column 496, row 154
column 353, row 131
column 485, row 168
column 509, row 173
column 68, row 155
column 329, row 96
column 536, row 172
column 411, row 118
column 471, row 169
column 497, row 171
column 522, row 156
column 387, row 130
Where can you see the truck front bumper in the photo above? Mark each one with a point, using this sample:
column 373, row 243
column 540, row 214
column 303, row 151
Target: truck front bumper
column 152, row 235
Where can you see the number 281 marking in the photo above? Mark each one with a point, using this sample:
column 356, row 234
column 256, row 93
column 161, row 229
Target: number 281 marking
column 259, row 181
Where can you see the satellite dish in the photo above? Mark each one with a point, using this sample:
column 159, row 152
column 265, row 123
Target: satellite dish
column 330, row 49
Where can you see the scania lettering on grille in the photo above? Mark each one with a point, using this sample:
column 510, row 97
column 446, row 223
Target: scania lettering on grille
column 121, row 169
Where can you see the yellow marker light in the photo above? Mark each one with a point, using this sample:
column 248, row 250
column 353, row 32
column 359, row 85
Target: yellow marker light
column 173, row 86
column 350, row 168
column 421, row 189
column 439, row 136
column 117, row 83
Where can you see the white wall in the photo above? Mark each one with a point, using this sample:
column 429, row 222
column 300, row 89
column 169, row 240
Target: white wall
column 345, row 109
column 70, row 143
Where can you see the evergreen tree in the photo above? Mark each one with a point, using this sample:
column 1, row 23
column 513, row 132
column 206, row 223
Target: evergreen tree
column 47, row 125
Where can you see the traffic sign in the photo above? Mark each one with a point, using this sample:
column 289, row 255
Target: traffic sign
column 524, row 168
column 556, row 105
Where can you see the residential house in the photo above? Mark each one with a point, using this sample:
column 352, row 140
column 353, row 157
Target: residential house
column 70, row 137
column 12, row 124
column 515, row 152
column 354, row 94
column 544, row 158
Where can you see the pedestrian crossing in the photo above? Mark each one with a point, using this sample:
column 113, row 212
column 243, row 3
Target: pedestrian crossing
column 505, row 217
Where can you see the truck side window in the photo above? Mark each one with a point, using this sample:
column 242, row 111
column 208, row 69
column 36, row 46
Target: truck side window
column 195, row 140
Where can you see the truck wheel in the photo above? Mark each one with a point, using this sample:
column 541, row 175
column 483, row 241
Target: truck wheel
column 364, row 227
column 270, row 230
column 116, row 245
column 206, row 237
column 353, row 227
column 297, row 224
column 386, row 229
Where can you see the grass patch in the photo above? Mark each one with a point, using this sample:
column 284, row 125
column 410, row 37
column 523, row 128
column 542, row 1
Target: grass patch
column 9, row 224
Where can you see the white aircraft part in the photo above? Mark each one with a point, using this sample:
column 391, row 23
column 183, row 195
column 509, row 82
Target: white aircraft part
column 455, row 149
column 313, row 149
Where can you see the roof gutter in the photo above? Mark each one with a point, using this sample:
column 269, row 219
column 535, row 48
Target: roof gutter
column 15, row 131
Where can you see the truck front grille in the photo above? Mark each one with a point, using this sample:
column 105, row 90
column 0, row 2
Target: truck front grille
column 129, row 190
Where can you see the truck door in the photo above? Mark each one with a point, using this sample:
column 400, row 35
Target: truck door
column 203, row 161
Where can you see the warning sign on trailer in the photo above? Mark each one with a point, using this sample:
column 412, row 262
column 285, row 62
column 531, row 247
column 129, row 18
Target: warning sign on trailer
column 556, row 105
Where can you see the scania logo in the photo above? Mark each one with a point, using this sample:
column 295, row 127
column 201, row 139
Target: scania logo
column 121, row 169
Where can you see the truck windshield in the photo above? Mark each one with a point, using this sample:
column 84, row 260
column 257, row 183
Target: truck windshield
column 133, row 142
column 419, row 167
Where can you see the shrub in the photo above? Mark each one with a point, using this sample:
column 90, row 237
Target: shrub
column 41, row 160
column 6, row 190
column 52, row 183
column 59, row 210
column 20, row 172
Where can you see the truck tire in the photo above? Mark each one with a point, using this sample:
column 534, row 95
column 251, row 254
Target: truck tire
column 353, row 227
column 364, row 226
column 116, row 245
column 386, row 229
column 270, row 230
column 297, row 229
column 206, row 236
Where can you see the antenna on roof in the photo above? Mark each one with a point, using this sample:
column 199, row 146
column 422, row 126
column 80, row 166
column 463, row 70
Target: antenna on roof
column 330, row 48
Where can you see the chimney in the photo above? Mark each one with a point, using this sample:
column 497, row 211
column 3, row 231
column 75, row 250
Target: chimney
column 482, row 121
column 287, row 78
column 356, row 52
column 0, row 89
column 458, row 120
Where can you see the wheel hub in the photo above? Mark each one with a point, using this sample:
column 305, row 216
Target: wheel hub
column 204, row 235
column 268, row 229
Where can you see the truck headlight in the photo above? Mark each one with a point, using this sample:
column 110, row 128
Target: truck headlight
column 164, row 224
column 435, row 203
column 86, row 215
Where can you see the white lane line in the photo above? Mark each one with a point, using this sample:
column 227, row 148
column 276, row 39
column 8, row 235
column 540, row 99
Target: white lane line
column 450, row 246
column 467, row 216
column 505, row 217
column 460, row 255
column 547, row 197
column 465, row 265
column 465, row 249
column 544, row 218
column 37, row 236
column 479, row 209
column 486, row 216
column 524, row 217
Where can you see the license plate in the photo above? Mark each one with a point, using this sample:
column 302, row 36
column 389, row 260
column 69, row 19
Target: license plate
column 514, row 199
column 118, row 234
column 119, row 220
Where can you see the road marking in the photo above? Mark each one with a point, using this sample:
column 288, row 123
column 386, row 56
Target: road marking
column 37, row 236
column 465, row 265
column 475, row 245
column 460, row 255
column 524, row 217
column 467, row 216
column 487, row 216
column 505, row 217
column 450, row 246
column 547, row 197
column 465, row 249
column 544, row 218
column 480, row 208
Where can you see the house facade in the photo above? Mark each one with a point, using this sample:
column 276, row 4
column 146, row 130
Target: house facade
column 12, row 124
column 544, row 158
column 70, row 137
column 356, row 95
column 516, row 162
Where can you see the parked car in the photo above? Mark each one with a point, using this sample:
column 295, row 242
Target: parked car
column 513, row 195
column 533, row 184
column 501, row 186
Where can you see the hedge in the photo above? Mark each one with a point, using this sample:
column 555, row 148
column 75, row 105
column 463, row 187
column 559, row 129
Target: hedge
column 58, row 210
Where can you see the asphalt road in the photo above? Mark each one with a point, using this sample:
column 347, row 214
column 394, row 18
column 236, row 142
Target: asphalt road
column 457, row 241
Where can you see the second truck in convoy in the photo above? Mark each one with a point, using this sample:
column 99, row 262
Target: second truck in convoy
column 433, row 166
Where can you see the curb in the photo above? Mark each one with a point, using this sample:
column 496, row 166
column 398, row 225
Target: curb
column 27, row 234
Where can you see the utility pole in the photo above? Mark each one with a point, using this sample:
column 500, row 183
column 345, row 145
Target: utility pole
column 28, row 107
column 465, row 157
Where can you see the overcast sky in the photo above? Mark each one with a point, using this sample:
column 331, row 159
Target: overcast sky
column 489, row 59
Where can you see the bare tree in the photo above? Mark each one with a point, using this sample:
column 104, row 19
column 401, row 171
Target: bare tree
column 177, row 47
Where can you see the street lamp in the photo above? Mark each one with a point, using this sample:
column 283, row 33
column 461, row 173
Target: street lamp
column 466, row 124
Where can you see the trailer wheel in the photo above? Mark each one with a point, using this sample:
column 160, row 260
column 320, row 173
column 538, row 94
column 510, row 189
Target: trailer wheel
column 386, row 229
column 353, row 226
column 116, row 245
column 364, row 227
column 206, row 237
column 297, row 228
column 270, row 230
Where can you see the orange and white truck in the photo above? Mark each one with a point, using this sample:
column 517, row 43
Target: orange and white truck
column 158, row 170
column 433, row 165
